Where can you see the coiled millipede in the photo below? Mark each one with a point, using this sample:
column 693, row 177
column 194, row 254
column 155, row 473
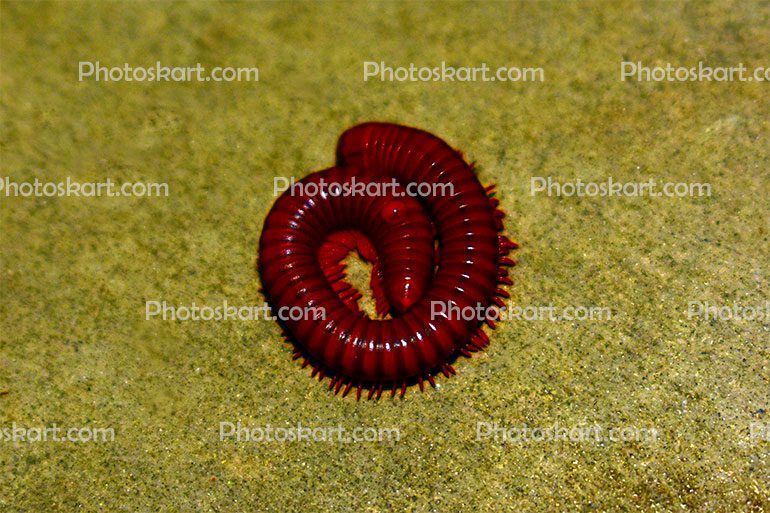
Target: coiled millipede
column 442, row 249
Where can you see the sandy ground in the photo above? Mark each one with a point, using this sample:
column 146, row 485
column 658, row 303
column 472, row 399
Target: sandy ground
column 77, row 351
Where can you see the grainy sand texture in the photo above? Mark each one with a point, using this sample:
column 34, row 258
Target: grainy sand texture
column 689, row 385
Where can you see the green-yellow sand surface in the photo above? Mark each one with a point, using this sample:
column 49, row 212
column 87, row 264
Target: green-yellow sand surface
column 76, row 272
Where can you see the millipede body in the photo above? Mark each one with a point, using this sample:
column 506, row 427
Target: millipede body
column 442, row 248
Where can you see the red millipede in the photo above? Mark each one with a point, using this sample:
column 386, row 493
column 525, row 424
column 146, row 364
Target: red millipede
column 443, row 249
